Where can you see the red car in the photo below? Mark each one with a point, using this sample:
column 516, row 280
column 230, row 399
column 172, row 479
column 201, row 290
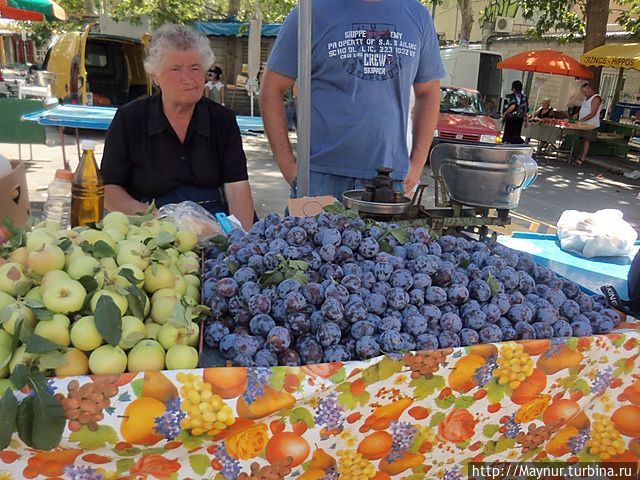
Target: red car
column 463, row 118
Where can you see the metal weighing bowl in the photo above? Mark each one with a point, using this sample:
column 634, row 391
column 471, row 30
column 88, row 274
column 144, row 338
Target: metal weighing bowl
column 353, row 199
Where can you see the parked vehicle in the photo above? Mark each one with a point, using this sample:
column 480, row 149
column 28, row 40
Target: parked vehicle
column 92, row 68
column 463, row 118
column 476, row 69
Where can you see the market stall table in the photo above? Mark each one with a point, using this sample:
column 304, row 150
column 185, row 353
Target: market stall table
column 99, row 118
column 554, row 136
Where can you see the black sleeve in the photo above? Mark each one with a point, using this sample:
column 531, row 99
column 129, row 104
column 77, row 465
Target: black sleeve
column 234, row 161
column 116, row 166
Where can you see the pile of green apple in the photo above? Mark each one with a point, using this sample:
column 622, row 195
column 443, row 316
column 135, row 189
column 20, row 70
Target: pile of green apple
column 120, row 297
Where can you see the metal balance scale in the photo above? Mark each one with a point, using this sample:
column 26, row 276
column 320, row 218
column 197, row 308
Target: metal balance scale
column 475, row 187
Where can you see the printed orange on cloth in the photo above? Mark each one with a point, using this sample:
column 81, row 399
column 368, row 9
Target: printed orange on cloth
column 458, row 426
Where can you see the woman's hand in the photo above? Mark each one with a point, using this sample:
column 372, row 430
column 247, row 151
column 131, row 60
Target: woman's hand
column 240, row 202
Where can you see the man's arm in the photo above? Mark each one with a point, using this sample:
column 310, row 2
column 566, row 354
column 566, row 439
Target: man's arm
column 595, row 105
column 240, row 202
column 425, row 119
column 272, row 90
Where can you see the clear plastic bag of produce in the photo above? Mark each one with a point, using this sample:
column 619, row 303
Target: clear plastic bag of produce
column 193, row 217
column 600, row 234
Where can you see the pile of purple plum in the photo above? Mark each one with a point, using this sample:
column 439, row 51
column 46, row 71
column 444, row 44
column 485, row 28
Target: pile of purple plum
column 298, row 291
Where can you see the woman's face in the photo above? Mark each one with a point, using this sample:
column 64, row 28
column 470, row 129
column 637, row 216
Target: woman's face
column 181, row 77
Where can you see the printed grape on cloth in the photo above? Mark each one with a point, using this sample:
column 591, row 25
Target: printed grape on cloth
column 415, row 416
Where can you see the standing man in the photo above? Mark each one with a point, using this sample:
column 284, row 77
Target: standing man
column 590, row 114
column 366, row 57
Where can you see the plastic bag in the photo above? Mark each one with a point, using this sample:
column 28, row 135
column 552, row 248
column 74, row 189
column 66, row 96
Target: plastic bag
column 193, row 217
column 600, row 234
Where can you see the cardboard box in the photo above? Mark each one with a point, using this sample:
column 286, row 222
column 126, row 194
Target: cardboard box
column 309, row 206
column 14, row 195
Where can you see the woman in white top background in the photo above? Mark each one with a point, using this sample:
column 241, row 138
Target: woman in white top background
column 590, row 114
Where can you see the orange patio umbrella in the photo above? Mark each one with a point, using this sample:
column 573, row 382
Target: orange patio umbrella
column 546, row 61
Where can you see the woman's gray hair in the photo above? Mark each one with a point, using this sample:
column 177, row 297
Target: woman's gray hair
column 176, row 37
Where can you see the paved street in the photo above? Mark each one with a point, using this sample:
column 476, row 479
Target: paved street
column 559, row 186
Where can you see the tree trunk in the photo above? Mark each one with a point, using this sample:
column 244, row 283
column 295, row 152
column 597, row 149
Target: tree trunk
column 89, row 7
column 234, row 8
column 467, row 19
column 596, row 16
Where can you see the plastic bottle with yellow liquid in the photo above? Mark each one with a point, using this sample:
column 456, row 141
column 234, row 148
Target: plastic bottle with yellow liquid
column 87, row 189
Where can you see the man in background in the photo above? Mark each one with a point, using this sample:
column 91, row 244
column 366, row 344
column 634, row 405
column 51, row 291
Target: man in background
column 214, row 88
column 366, row 57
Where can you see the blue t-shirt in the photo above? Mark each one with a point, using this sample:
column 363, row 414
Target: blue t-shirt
column 366, row 55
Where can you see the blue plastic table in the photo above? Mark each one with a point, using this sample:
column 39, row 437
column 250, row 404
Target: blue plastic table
column 589, row 273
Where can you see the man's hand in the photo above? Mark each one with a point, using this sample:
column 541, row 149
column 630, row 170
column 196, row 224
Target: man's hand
column 413, row 178
column 288, row 167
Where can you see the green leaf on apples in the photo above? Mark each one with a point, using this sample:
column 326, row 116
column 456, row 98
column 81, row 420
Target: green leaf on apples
column 165, row 239
column 103, row 250
column 120, row 289
column 9, row 409
column 5, row 361
column 37, row 344
column 48, row 415
column 108, row 320
column 52, row 360
column 89, row 283
column 33, row 303
column 87, row 247
column 65, row 244
column 6, row 313
column 42, row 314
column 23, row 287
column 196, row 311
column 15, row 339
column 19, row 376
column 178, row 317
column 24, row 421
column 131, row 340
column 129, row 275
column 160, row 256
column 26, row 330
column 137, row 301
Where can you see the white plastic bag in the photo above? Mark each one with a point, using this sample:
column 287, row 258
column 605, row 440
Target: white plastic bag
column 193, row 217
column 600, row 234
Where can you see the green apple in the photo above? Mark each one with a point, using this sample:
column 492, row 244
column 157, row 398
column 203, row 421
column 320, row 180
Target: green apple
column 169, row 335
column 181, row 357
column 53, row 277
column 71, row 254
column 186, row 240
column 131, row 252
column 192, row 280
column 46, row 258
column 152, row 227
column 132, row 329
column 19, row 255
column 187, row 265
column 173, row 256
column 193, row 293
column 10, row 274
column 191, row 254
column 5, row 338
column 162, row 308
column 5, row 352
column 157, row 277
column 20, row 312
column 115, row 218
column 94, row 236
column 138, row 274
column 83, row 266
column 47, row 225
column 120, row 300
column 37, row 238
column 179, row 283
column 5, row 384
column 152, row 329
column 108, row 360
column 55, row 330
column 35, row 294
column 164, row 292
column 85, row 335
column 146, row 309
column 121, row 228
column 109, row 264
column 64, row 296
column 169, row 227
column 114, row 233
column 146, row 356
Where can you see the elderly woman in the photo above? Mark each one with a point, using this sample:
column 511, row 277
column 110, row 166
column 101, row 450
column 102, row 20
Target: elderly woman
column 177, row 145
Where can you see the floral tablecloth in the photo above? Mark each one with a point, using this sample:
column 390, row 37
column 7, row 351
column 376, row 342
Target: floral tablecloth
column 421, row 415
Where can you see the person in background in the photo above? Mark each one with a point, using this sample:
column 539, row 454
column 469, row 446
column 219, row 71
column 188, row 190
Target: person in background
column 589, row 114
column 366, row 58
column 545, row 110
column 176, row 145
column 515, row 116
column 214, row 88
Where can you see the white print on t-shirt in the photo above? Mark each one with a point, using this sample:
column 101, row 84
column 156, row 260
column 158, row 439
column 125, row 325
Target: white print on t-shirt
column 372, row 51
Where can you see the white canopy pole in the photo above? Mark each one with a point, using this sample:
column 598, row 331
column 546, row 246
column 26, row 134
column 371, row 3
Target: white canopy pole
column 304, row 97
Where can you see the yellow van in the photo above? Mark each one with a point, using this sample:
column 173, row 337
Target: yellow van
column 106, row 69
